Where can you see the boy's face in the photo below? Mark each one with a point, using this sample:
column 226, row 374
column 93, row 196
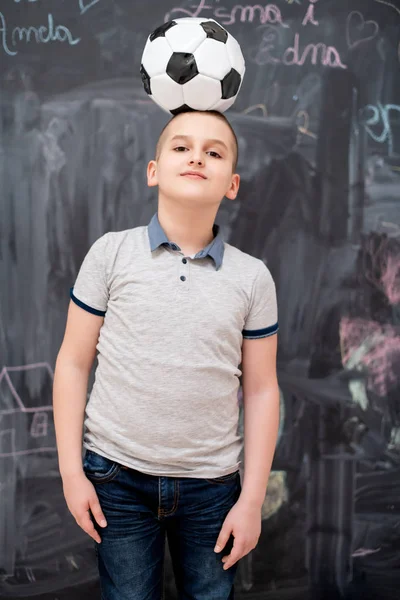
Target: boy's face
column 200, row 144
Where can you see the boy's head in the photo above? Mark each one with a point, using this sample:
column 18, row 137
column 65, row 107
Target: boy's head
column 211, row 113
column 196, row 157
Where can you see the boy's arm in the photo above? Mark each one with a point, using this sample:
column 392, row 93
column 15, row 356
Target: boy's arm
column 261, row 423
column 73, row 365
column 261, row 415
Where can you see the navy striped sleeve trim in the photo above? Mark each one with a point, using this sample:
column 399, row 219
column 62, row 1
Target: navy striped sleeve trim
column 253, row 334
column 94, row 311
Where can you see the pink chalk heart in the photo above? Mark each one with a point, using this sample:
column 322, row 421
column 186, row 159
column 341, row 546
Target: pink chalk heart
column 359, row 30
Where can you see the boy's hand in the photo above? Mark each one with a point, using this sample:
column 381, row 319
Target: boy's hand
column 81, row 496
column 244, row 522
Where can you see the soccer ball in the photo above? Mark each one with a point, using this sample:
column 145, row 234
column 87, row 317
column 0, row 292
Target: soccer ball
column 192, row 64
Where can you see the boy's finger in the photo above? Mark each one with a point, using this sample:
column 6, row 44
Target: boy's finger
column 222, row 538
column 98, row 513
column 86, row 524
column 231, row 559
column 235, row 554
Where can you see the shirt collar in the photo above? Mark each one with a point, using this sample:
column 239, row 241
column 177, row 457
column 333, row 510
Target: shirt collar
column 215, row 248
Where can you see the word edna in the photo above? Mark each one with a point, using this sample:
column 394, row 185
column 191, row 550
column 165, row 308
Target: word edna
column 42, row 34
column 328, row 56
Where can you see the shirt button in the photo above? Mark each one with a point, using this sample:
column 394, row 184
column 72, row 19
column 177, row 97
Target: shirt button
column 183, row 278
column 184, row 261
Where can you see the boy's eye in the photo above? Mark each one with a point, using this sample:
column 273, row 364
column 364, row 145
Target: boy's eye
column 210, row 152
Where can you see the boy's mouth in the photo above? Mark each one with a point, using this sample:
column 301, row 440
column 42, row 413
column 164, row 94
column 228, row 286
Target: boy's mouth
column 193, row 175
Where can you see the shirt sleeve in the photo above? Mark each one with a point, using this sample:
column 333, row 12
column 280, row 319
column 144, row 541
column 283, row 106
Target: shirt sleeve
column 90, row 291
column 262, row 318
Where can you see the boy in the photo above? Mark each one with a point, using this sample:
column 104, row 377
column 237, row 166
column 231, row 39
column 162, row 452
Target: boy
column 172, row 311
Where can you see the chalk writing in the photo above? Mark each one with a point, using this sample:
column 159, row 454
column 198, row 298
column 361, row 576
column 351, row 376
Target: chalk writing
column 84, row 6
column 269, row 13
column 358, row 30
column 326, row 55
column 303, row 121
column 302, row 118
column 380, row 115
column 251, row 109
column 309, row 17
column 11, row 403
column 382, row 266
column 42, row 34
column 183, row 12
column 39, row 425
column 4, row 374
column 391, row 279
column 365, row 551
column 319, row 53
column 389, row 4
column 377, row 348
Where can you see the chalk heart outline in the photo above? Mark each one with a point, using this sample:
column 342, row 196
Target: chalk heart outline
column 355, row 20
column 84, row 5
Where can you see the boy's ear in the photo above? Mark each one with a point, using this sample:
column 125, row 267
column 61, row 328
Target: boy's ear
column 234, row 187
column 152, row 178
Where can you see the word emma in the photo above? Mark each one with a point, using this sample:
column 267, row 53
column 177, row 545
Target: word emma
column 9, row 38
column 269, row 13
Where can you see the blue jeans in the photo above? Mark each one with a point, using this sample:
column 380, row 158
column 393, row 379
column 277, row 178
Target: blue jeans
column 140, row 510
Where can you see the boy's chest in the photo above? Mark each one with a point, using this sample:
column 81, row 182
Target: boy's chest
column 179, row 294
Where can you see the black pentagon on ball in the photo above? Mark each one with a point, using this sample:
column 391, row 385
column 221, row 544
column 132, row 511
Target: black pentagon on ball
column 160, row 31
column 182, row 67
column 215, row 31
column 181, row 109
column 146, row 79
column 230, row 84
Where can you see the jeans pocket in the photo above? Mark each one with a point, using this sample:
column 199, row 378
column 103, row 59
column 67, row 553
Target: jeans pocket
column 225, row 479
column 99, row 469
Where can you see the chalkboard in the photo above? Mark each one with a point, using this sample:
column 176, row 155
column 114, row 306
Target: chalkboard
column 318, row 122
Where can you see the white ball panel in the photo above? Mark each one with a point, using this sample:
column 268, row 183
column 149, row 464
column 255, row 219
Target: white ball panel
column 212, row 59
column 202, row 92
column 166, row 92
column 185, row 37
column 235, row 54
column 156, row 56
column 223, row 105
column 159, row 104
column 194, row 20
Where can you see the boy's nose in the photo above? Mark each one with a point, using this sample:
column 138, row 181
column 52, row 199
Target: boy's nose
column 198, row 161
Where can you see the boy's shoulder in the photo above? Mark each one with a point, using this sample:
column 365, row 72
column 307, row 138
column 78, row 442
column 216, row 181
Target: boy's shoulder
column 242, row 259
column 114, row 239
column 132, row 232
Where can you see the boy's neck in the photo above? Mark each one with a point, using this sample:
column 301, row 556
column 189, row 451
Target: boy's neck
column 191, row 230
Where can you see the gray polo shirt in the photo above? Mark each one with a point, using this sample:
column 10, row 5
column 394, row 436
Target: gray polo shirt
column 165, row 396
